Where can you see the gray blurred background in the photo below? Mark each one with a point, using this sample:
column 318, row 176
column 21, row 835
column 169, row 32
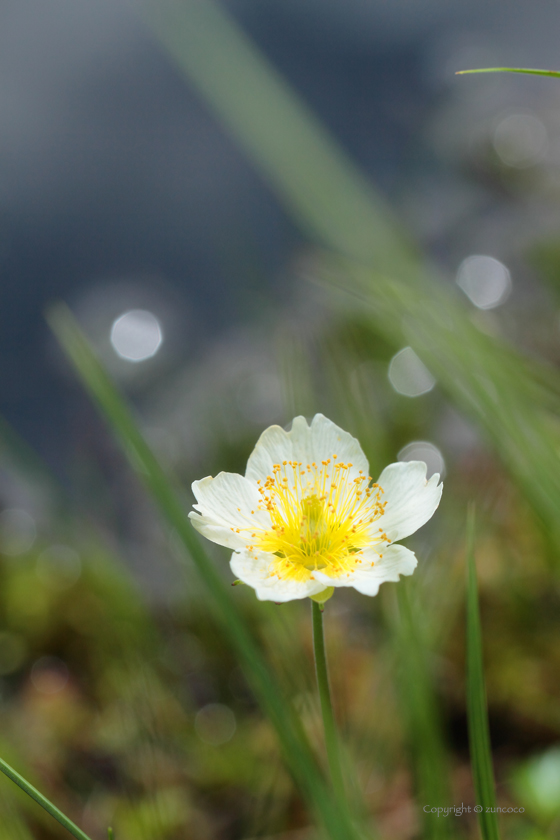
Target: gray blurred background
column 119, row 192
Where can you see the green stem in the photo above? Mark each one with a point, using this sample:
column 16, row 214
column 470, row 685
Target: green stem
column 42, row 801
column 329, row 725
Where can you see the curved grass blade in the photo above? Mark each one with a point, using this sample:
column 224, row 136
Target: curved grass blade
column 45, row 803
column 528, row 70
column 329, row 810
column 479, row 736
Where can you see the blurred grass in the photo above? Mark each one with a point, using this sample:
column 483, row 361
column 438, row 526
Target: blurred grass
column 121, row 741
column 331, row 812
column 126, row 710
column 513, row 399
column 422, row 715
column 324, row 191
column 12, row 826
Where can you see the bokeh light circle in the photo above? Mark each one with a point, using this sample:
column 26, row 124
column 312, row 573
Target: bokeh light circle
column 485, row 280
column 409, row 375
column 422, row 450
column 136, row 335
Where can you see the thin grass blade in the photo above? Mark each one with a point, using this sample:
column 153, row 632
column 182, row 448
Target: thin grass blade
column 330, row 812
column 42, row 800
column 528, row 70
column 477, row 710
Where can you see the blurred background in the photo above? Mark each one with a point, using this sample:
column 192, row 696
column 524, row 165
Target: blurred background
column 124, row 194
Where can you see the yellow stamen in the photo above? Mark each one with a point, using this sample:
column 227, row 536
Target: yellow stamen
column 320, row 521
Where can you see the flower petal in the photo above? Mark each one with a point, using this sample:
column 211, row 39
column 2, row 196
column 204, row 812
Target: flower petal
column 228, row 504
column 274, row 446
column 307, row 444
column 329, row 439
column 411, row 500
column 396, row 560
column 255, row 568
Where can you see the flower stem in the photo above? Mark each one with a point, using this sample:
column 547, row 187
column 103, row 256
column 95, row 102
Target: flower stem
column 329, row 725
column 43, row 801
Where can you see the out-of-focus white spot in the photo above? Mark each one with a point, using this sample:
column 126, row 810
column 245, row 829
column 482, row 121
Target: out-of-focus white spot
column 59, row 566
column 520, row 140
column 136, row 335
column 485, row 280
column 17, row 531
column 215, row 724
column 13, row 650
column 421, row 450
column 49, row 675
column 409, row 375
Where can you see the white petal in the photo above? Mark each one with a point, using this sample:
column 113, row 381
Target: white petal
column 307, row 444
column 396, row 560
column 256, row 568
column 226, row 503
column 274, row 446
column 411, row 500
column 329, row 439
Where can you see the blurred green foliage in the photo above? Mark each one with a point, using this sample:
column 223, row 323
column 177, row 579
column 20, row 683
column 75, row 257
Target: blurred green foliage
column 119, row 741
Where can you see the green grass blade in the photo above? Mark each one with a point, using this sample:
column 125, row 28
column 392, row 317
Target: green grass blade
column 45, row 803
column 528, row 70
column 309, row 780
column 479, row 736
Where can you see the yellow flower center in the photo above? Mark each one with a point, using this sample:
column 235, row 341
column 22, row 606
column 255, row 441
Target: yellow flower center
column 321, row 518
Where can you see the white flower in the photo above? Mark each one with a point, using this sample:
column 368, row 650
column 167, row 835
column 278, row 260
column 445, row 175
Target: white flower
column 307, row 516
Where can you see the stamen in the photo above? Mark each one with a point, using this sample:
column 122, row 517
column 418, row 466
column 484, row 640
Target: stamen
column 320, row 521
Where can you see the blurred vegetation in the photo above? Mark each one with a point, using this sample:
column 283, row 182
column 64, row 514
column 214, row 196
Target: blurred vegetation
column 156, row 731
column 131, row 711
